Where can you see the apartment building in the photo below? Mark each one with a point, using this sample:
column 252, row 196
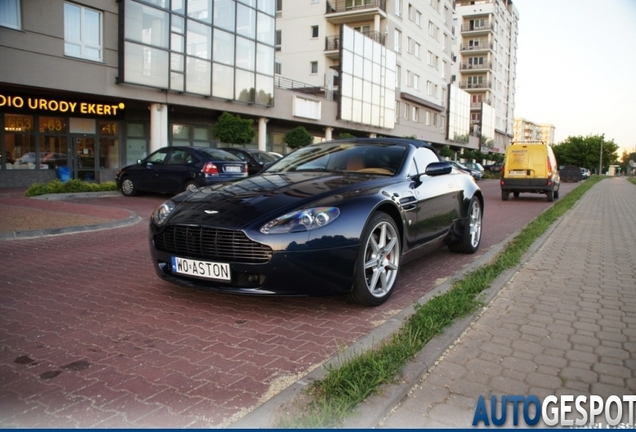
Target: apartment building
column 486, row 67
column 99, row 84
column 394, row 73
column 526, row 130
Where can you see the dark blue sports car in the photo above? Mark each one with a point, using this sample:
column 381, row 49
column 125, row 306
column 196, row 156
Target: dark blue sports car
column 332, row 218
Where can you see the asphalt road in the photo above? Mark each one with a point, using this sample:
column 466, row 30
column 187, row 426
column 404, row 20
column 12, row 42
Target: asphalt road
column 90, row 337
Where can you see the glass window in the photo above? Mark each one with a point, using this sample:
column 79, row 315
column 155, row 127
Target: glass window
column 267, row 6
column 244, row 86
column 198, row 76
column 222, row 81
column 109, row 153
column 245, row 21
column 314, row 31
column 147, row 25
column 314, row 67
column 200, row 10
column 198, row 40
column 145, row 65
column 264, row 59
column 265, row 90
column 223, row 46
column 20, row 148
column 225, row 14
column 82, row 32
column 180, row 132
column 10, row 13
column 201, row 133
column 245, row 53
column 265, row 28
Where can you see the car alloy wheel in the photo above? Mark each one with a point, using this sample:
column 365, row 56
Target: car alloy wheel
column 379, row 263
column 474, row 225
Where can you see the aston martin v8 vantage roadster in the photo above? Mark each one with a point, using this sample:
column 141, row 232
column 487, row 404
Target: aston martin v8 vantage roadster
column 333, row 218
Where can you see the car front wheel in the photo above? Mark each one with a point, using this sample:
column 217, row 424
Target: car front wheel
column 128, row 187
column 378, row 262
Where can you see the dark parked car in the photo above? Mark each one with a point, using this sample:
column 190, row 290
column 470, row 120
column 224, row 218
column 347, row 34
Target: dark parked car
column 256, row 159
column 476, row 174
column 496, row 167
column 333, row 218
column 176, row 169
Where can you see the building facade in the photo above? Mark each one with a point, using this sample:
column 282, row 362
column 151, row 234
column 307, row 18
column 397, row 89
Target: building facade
column 97, row 85
column 526, row 130
column 486, row 67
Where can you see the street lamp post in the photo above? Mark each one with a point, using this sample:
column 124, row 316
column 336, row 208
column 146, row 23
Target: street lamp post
column 600, row 164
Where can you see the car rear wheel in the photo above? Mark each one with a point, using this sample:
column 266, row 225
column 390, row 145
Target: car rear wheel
column 191, row 186
column 128, row 187
column 505, row 194
column 550, row 195
column 469, row 243
column 378, row 262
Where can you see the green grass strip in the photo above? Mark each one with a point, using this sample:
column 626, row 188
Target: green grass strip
column 334, row 397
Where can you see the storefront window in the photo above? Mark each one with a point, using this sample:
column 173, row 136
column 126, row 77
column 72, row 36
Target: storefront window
column 20, row 148
column 109, row 153
column 136, row 143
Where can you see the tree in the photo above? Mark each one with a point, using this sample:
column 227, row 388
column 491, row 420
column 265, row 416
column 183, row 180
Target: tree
column 298, row 137
column 447, row 152
column 586, row 152
column 232, row 129
column 345, row 135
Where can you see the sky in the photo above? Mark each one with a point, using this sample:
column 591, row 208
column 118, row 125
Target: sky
column 576, row 67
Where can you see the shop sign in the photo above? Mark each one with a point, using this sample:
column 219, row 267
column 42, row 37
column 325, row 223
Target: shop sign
column 60, row 106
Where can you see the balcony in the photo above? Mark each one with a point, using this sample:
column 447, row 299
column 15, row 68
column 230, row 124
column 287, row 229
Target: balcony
column 332, row 43
column 347, row 11
column 475, row 67
column 470, row 29
column 485, row 85
column 474, row 49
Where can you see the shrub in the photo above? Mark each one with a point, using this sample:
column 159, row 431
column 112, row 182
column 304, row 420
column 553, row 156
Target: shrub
column 71, row 186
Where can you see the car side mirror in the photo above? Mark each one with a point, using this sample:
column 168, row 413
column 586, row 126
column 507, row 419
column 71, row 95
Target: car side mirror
column 438, row 168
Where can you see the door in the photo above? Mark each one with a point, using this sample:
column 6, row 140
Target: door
column 53, row 151
column 82, row 158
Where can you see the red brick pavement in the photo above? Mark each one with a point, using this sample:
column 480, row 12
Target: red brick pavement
column 90, row 337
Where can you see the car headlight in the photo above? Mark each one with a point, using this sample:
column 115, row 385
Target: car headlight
column 161, row 213
column 301, row 220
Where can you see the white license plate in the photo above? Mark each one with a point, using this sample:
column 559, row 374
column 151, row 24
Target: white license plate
column 202, row 269
column 235, row 169
column 517, row 173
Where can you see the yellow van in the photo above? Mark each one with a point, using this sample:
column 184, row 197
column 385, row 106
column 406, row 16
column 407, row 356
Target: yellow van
column 530, row 167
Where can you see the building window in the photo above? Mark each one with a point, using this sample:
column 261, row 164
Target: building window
column 398, row 76
column 278, row 39
column 314, row 67
column 415, row 114
column 279, row 5
column 82, row 32
column 10, row 14
column 416, row 50
column 278, row 68
column 314, row 31
column 432, row 30
column 398, row 8
column 407, row 109
column 397, row 42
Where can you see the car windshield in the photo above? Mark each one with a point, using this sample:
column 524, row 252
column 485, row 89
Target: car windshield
column 383, row 159
column 219, row 155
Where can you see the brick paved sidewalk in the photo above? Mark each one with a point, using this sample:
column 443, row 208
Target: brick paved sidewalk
column 566, row 323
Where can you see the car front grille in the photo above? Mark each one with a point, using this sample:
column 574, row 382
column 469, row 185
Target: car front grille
column 212, row 244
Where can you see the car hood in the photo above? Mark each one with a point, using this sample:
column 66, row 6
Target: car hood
column 237, row 204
